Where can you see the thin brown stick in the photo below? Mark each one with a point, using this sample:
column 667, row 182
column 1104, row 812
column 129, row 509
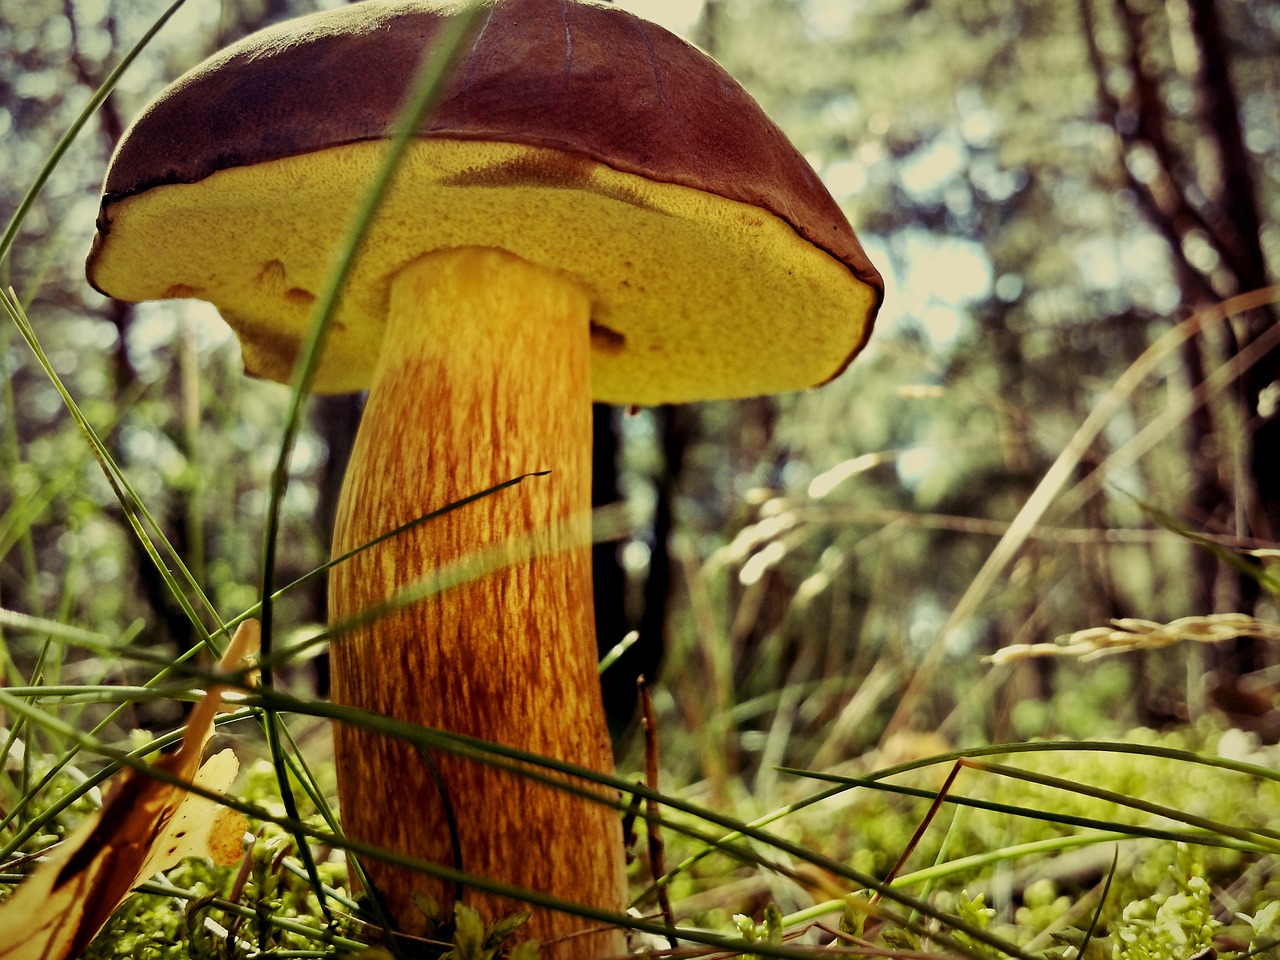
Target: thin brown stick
column 657, row 854
column 924, row 825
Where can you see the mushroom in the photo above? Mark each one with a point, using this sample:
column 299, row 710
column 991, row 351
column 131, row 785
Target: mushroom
column 594, row 209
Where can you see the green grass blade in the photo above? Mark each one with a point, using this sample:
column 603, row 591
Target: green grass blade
column 433, row 72
column 140, row 521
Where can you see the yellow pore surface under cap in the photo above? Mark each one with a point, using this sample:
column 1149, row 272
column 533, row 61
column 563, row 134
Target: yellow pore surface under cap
column 692, row 296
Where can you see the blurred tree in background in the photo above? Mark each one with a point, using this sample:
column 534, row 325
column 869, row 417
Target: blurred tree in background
column 1050, row 188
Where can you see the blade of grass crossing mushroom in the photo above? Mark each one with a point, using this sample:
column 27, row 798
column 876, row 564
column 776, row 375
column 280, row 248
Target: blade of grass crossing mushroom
column 612, row 530
column 608, row 524
column 323, row 568
column 432, row 74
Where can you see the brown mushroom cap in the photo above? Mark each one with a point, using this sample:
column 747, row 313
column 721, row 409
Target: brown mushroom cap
column 574, row 135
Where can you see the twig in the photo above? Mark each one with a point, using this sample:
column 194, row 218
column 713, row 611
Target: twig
column 657, row 857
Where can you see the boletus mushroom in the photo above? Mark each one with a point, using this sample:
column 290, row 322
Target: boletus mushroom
column 594, row 209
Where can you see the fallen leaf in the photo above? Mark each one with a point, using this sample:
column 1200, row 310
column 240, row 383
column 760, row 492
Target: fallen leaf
column 202, row 827
column 145, row 826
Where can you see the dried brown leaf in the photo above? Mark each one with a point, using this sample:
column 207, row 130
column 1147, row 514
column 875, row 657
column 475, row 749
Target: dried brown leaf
column 145, row 826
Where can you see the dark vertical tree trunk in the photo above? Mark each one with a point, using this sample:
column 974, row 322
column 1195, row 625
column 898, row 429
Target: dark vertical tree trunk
column 1237, row 226
column 1207, row 498
column 1238, row 229
column 1184, row 199
column 608, row 577
column 673, row 429
column 335, row 419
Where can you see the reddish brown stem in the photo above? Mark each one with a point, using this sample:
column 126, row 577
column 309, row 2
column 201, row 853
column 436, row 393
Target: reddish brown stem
column 483, row 375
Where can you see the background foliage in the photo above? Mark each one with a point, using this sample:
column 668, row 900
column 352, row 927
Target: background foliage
column 1049, row 187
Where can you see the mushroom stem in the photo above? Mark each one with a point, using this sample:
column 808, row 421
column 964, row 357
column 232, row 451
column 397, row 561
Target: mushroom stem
column 496, row 385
